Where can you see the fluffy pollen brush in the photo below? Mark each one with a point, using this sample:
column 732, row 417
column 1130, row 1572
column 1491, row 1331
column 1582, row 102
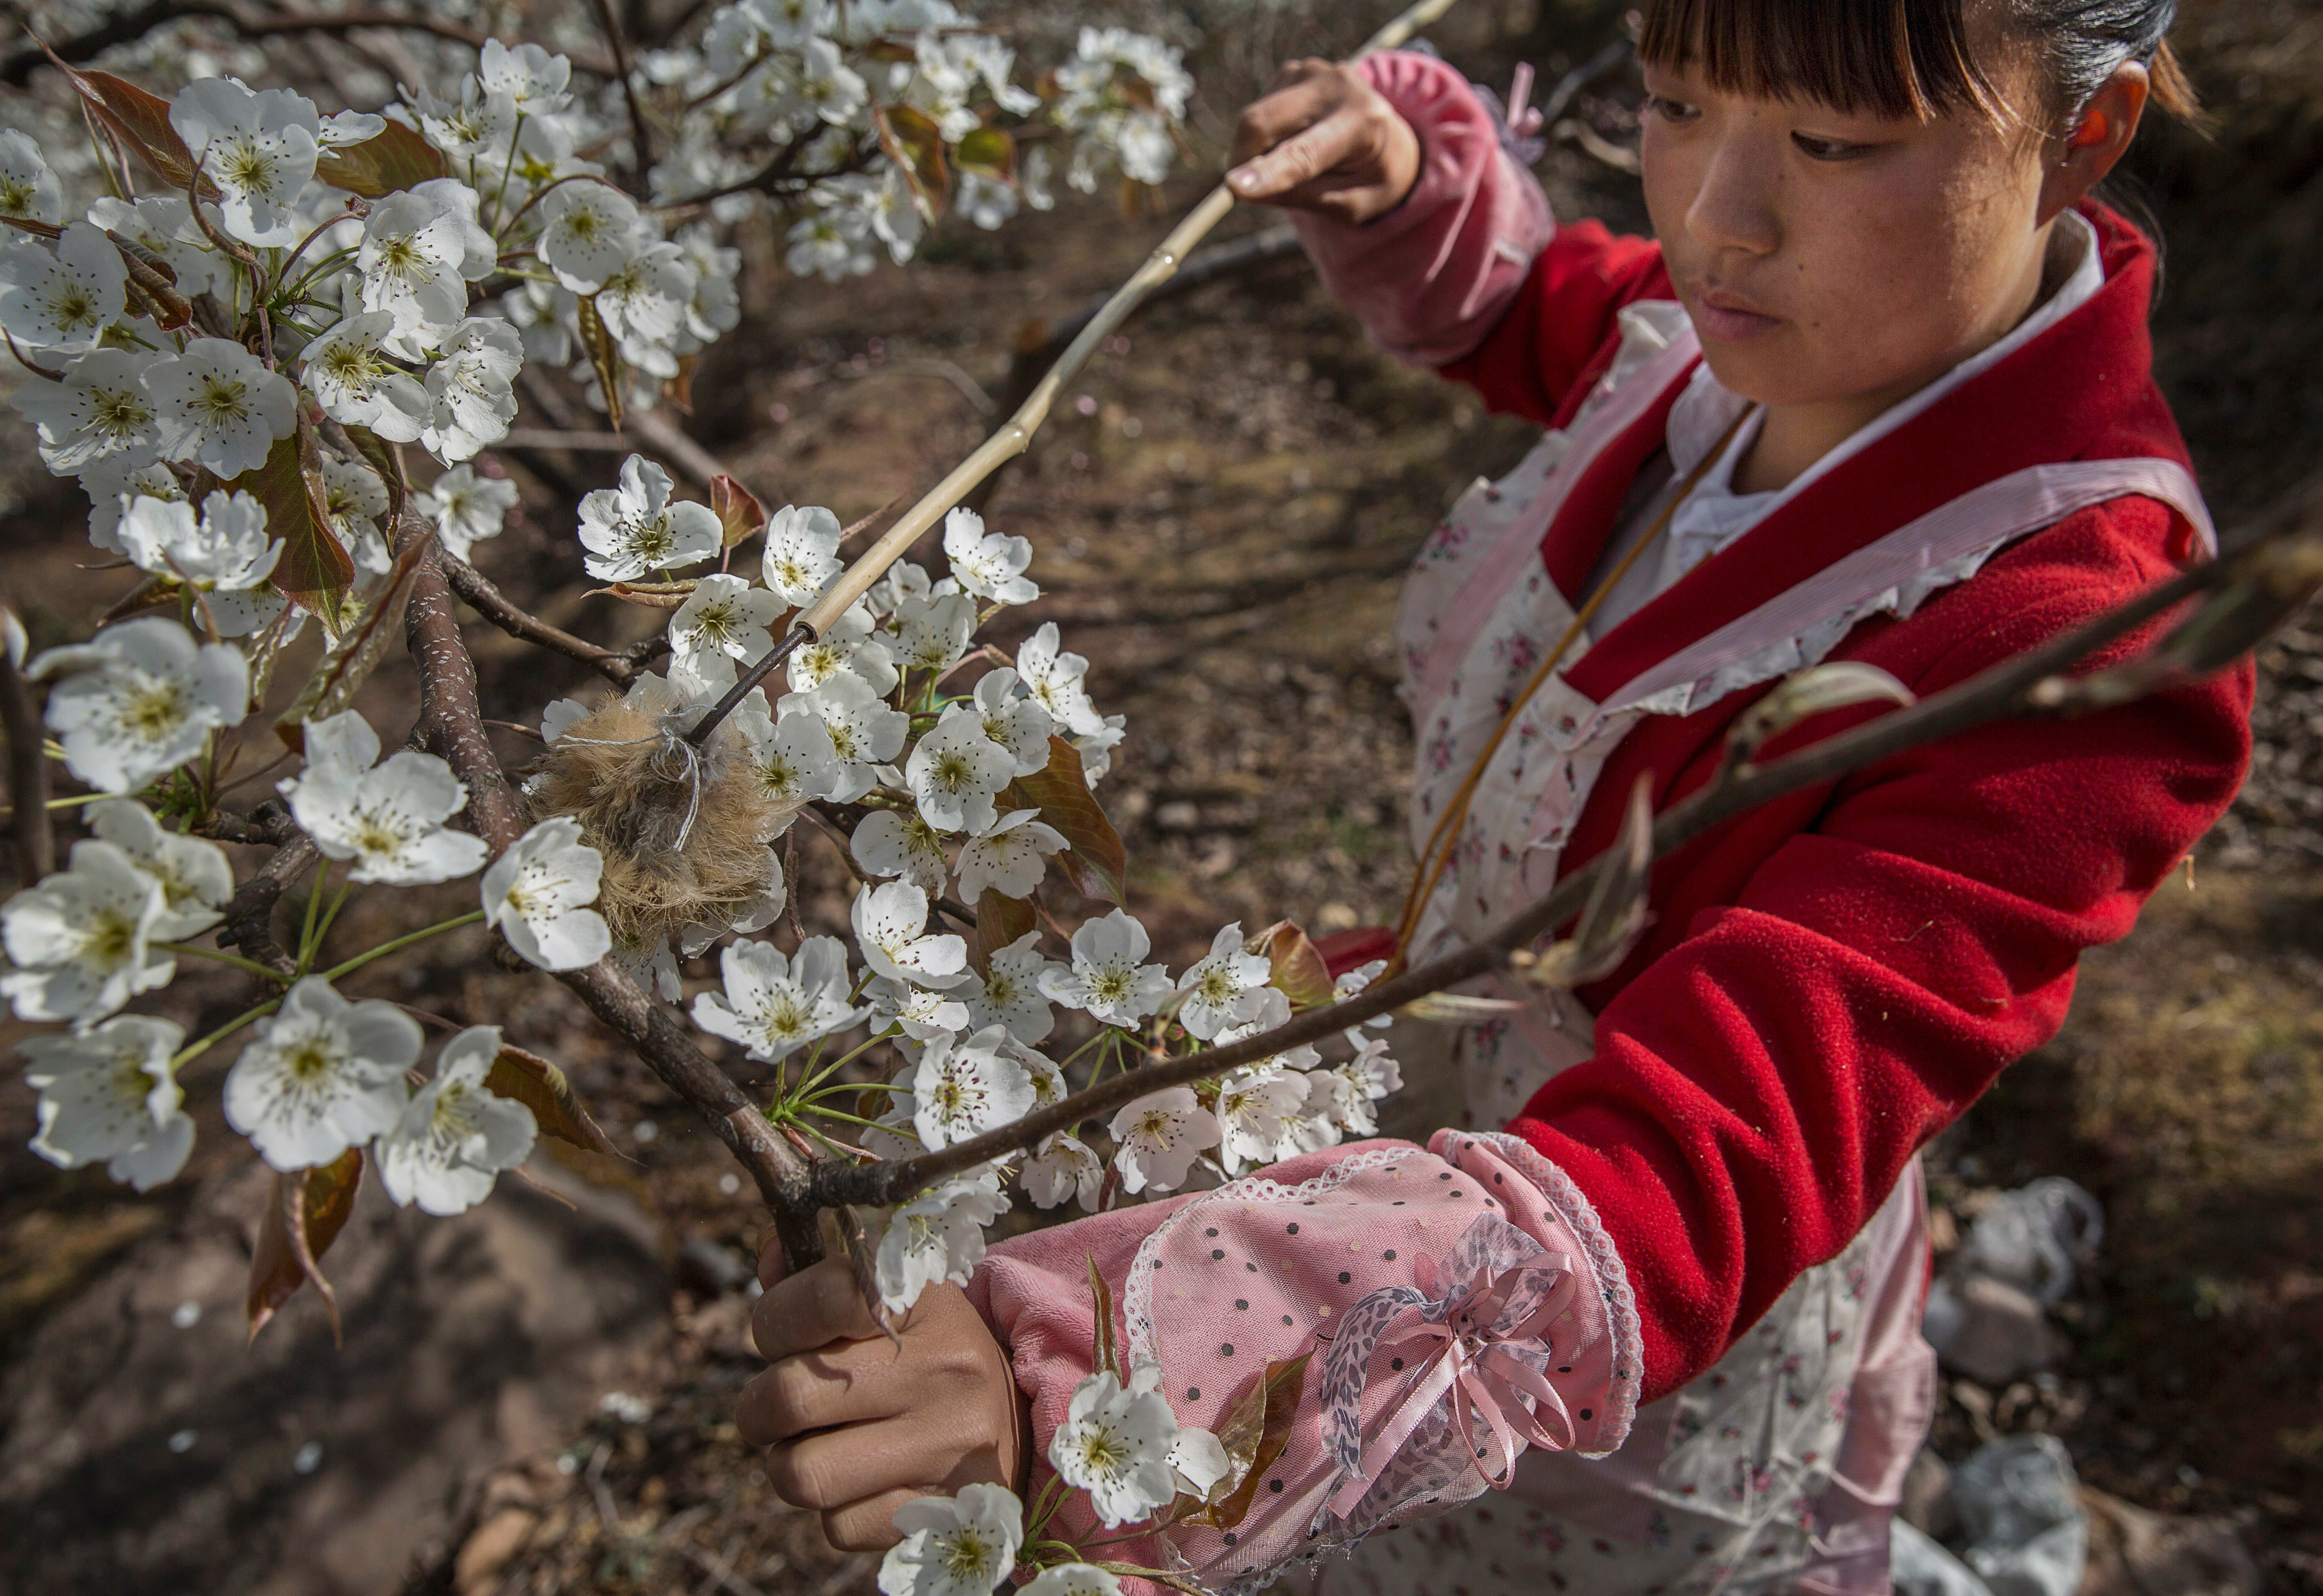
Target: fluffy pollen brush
column 685, row 835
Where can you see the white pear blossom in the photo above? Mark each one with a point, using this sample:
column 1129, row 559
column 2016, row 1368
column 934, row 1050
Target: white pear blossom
column 1073, row 1579
column 1158, row 1137
column 1106, row 977
column 1011, row 857
column 890, row 926
column 388, row 819
column 956, row 772
column 321, row 1075
column 921, row 1015
column 258, row 147
column 141, row 697
column 471, row 388
column 987, row 202
column 1095, row 748
column 938, row 1235
column 413, row 249
column 1115, row 1444
column 456, row 1134
column 773, row 1004
column 792, row 758
column 1253, row 1106
column 724, row 619
column 345, row 128
column 64, row 297
column 987, row 563
column 1210, row 990
column 534, row 80
column 643, row 300
column 863, row 732
column 225, row 556
column 110, row 483
column 637, row 528
column 887, row 843
column 588, row 231
column 715, row 306
column 353, row 500
column 1054, row 679
column 538, row 894
column 650, row 962
column 353, row 379
column 27, row 189
column 112, row 1093
column 1010, row 994
column 216, row 405
column 466, row 509
column 963, row 1087
column 1351, row 982
column 931, row 634
column 1200, row 1461
column 849, row 645
column 1016, row 720
column 802, row 553
column 474, row 125
column 1060, row 1170
column 832, row 242
column 1360, row 1082
column 194, row 878
column 80, row 941
column 100, row 410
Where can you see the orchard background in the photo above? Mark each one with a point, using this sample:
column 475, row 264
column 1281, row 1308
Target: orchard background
column 538, row 1396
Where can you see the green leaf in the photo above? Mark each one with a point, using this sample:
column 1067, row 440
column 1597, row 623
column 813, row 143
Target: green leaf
column 915, row 143
column 1095, row 858
column 358, row 648
column 540, row 1085
column 1296, row 969
column 309, row 1209
column 1104, row 1357
column 989, row 152
column 1257, row 1428
column 397, row 158
column 314, row 571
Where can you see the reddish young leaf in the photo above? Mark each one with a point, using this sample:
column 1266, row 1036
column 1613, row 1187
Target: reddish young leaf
column 1000, row 919
column 357, row 650
column 1096, row 859
column 138, row 119
column 737, row 508
column 307, row 1211
column 540, row 1085
column 1297, row 969
column 913, row 142
column 604, row 359
column 397, row 158
column 1104, row 1355
column 314, row 571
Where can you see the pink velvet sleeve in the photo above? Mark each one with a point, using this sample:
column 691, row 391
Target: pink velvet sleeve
column 1433, row 276
column 1348, row 1254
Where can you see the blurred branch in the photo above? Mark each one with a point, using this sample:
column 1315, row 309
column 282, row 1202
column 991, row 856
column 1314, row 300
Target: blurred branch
column 2250, row 591
column 128, row 26
column 642, row 156
column 28, row 775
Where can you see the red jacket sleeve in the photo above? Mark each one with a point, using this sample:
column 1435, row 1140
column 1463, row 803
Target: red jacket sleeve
column 1562, row 329
column 1759, row 1087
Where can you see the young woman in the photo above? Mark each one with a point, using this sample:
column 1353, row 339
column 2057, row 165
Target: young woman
column 1877, row 389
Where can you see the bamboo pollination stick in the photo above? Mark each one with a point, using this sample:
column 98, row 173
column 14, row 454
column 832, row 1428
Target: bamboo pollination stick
column 1015, row 434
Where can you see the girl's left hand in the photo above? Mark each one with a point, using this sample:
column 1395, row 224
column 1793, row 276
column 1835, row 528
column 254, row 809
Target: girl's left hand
column 859, row 1426
column 1324, row 139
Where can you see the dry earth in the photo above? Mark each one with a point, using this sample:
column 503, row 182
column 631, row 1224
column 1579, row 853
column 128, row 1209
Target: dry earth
column 1222, row 516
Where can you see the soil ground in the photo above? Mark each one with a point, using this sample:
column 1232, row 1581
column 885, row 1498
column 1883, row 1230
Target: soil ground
column 1222, row 510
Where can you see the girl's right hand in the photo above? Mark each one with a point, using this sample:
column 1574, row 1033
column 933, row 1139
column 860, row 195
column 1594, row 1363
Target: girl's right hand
column 1324, row 139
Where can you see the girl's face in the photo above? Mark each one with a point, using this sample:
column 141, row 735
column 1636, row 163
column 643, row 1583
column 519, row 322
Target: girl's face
column 1843, row 260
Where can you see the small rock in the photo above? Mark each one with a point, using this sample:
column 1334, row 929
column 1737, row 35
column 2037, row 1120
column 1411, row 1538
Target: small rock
column 1990, row 1332
column 1178, row 815
column 2136, row 1552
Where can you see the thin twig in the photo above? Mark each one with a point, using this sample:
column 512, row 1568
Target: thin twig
column 28, row 775
column 487, row 601
column 643, row 154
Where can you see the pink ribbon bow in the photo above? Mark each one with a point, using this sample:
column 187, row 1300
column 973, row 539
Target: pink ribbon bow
column 1458, row 1348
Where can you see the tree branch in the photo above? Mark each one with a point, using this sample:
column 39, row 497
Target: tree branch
column 28, row 775
column 451, row 724
column 249, row 922
column 616, row 666
column 2258, row 587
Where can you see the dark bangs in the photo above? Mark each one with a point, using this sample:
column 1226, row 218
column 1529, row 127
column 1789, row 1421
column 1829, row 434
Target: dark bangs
column 1889, row 58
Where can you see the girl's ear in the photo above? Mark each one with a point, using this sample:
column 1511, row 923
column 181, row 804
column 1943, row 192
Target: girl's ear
column 2097, row 140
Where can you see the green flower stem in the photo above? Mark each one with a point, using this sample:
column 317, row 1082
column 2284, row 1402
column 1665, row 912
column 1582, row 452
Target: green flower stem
column 851, row 1119
column 252, row 965
column 313, row 912
column 331, row 915
column 399, row 943
column 76, row 801
column 192, row 1050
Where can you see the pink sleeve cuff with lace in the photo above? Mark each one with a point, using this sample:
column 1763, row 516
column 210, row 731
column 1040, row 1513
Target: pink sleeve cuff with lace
column 1430, row 278
column 1461, row 1303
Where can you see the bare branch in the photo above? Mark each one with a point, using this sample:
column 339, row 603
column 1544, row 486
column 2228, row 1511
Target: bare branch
column 249, row 922
column 28, row 775
column 616, row 666
column 642, row 156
